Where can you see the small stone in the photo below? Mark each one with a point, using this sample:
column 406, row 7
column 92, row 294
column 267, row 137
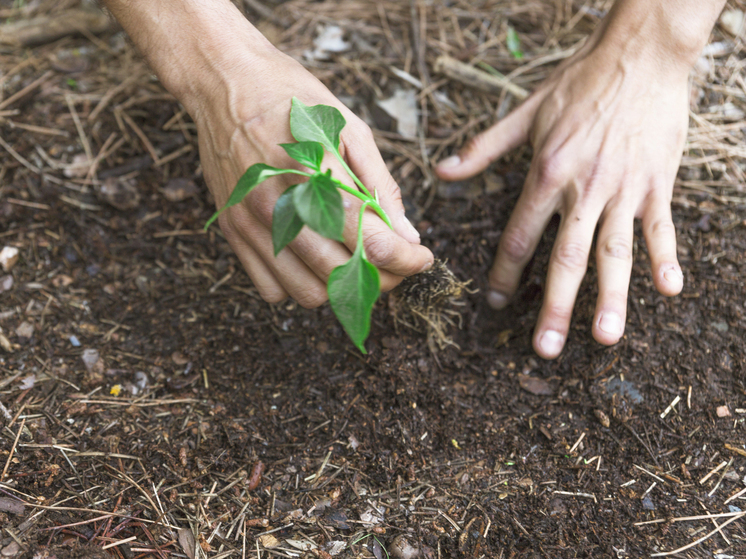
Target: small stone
column 74, row 341
column 647, row 503
column 603, row 419
column 25, row 330
column 401, row 548
column 179, row 358
column 177, row 190
column 723, row 411
column 8, row 258
column 120, row 194
column 11, row 550
column 90, row 358
column 6, row 283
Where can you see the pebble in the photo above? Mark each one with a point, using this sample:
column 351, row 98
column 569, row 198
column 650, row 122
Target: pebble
column 25, row 330
column 119, row 193
column 647, row 503
column 74, row 341
column 11, row 550
column 8, row 258
column 722, row 411
column 401, row 548
column 177, row 190
column 90, row 358
column 6, row 283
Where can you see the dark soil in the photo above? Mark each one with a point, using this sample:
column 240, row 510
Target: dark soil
column 483, row 450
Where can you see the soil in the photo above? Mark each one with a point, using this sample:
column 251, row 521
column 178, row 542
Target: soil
column 155, row 402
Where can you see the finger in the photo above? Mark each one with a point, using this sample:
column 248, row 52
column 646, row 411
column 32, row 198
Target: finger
column 322, row 256
column 518, row 241
column 287, row 268
column 614, row 263
column 660, row 236
column 567, row 267
column 491, row 144
column 365, row 161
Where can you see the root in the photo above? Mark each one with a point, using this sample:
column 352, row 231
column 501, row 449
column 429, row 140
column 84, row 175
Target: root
column 425, row 302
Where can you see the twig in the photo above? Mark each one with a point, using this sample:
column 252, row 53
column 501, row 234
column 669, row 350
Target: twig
column 12, row 450
column 79, row 127
column 478, row 79
column 30, row 87
column 700, row 540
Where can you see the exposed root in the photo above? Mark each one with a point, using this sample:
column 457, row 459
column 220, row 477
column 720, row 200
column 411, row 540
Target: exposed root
column 424, row 302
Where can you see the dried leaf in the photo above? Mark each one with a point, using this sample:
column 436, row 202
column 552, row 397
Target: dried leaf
column 187, row 542
column 535, row 385
column 403, row 107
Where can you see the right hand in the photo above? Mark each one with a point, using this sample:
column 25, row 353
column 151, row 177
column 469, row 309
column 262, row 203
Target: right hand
column 241, row 123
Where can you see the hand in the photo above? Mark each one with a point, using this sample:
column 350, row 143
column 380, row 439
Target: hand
column 607, row 130
column 238, row 89
column 238, row 130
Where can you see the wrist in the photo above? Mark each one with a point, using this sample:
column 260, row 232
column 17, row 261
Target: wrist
column 668, row 34
column 193, row 46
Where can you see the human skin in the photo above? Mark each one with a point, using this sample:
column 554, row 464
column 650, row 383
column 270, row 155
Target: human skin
column 607, row 130
column 237, row 88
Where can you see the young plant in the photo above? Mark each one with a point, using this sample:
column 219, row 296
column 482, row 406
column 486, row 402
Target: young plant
column 353, row 287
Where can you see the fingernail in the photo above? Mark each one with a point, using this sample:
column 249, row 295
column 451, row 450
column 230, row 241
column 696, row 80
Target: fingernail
column 426, row 267
column 551, row 342
column 448, row 162
column 673, row 276
column 497, row 300
column 410, row 232
column 611, row 323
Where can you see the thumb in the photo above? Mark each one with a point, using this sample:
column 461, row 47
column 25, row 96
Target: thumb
column 374, row 174
column 493, row 143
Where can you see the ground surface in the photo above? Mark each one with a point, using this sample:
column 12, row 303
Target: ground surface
column 237, row 418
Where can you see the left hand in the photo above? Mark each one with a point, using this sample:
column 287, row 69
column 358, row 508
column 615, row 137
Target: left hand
column 607, row 130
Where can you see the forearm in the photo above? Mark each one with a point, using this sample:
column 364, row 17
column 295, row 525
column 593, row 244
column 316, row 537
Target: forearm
column 672, row 32
column 191, row 44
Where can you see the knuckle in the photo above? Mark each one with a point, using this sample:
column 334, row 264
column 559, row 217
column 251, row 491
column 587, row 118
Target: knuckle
column 261, row 204
column 560, row 314
column 663, row 227
column 571, row 255
column 379, row 249
column 550, row 170
column 515, row 245
column 617, row 247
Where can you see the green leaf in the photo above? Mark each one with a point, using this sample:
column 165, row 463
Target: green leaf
column 253, row 176
column 319, row 205
column 353, row 289
column 514, row 43
column 320, row 123
column 309, row 154
column 286, row 223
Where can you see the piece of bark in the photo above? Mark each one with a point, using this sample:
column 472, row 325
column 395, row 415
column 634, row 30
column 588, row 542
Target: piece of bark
column 45, row 29
column 478, row 79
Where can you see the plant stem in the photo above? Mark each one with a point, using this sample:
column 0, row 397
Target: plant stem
column 360, row 227
column 367, row 199
column 353, row 175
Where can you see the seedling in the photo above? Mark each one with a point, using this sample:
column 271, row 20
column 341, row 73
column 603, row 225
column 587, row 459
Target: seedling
column 514, row 43
column 353, row 287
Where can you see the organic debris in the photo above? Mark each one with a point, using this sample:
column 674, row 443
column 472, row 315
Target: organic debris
column 427, row 300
